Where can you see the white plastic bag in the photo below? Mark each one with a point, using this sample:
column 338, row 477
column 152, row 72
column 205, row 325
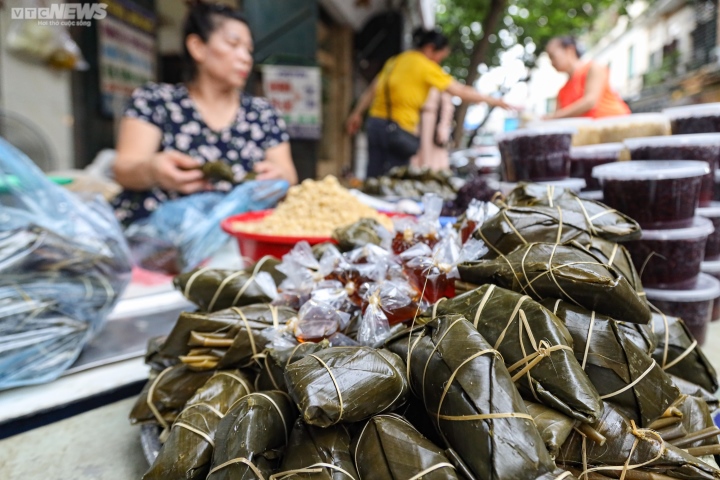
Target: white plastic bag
column 63, row 265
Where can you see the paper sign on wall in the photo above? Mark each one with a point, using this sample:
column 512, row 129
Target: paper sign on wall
column 296, row 93
column 126, row 56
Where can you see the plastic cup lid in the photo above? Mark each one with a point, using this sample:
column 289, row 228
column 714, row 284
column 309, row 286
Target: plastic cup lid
column 711, row 268
column 574, row 184
column 592, row 151
column 687, row 111
column 713, row 211
column 651, row 170
column 707, row 288
column 695, row 139
column 701, row 227
column 596, row 195
column 536, row 132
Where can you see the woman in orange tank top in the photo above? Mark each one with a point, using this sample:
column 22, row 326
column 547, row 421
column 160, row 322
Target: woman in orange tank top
column 587, row 92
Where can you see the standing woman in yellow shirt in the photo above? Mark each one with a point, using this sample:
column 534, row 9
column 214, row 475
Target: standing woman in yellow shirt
column 396, row 96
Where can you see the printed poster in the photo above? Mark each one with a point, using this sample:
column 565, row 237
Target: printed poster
column 296, row 93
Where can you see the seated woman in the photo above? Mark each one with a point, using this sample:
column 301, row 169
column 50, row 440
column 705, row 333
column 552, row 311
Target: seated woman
column 169, row 131
column 587, row 92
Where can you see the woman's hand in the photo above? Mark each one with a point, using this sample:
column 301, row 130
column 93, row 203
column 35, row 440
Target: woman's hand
column 268, row 171
column 353, row 123
column 278, row 165
column 500, row 103
column 175, row 171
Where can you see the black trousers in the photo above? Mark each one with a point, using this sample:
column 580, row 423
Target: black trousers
column 380, row 159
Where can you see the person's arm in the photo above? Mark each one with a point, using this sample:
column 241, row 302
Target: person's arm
column 278, row 164
column 597, row 78
column 139, row 166
column 470, row 95
column 354, row 121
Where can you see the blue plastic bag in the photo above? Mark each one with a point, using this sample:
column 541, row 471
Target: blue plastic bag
column 182, row 233
column 64, row 263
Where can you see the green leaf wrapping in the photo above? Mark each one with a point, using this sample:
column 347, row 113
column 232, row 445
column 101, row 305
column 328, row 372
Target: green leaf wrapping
column 622, row 373
column 251, row 436
column 695, row 417
column 389, row 448
column 168, row 392
column 614, row 254
column 554, row 427
column 272, row 375
column 516, row 226
column 678, row 353
column 557, row 380
column 218, row 170
column 693, row 390
column 595, row 218
column 223, row 339
column 545, row 270
column 314, row 448
column 364, row 231
column 620, row 438
column 187, row 453
column 215, row 289
column 346, row 384
column 461, row 379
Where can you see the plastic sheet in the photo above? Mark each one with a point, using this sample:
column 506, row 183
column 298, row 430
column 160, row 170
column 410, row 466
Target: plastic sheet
column 63, row 265
column 182, row 233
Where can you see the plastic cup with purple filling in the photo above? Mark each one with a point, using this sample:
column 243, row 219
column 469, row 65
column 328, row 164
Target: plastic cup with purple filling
column 671, row 258
column 584, row 159
column 712, row 268
column 693, row 306
column 585, row 134
column 535, row 154
column 702, row 118
column 712, row 213
column 658, row 194
column 703, row 146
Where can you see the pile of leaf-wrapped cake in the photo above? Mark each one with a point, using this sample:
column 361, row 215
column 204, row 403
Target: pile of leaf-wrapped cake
column 516, row 344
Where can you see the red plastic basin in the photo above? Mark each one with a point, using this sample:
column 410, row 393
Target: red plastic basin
column 256, row 245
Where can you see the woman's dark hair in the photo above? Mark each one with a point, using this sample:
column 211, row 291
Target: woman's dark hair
column 422, row 37
column 568, row 41
column 203, row 19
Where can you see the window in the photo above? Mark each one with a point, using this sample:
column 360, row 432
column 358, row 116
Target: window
column 631, row 62
column 656, row 60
